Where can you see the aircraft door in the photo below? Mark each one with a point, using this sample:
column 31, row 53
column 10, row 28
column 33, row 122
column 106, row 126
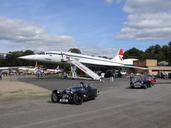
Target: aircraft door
column 65, row 58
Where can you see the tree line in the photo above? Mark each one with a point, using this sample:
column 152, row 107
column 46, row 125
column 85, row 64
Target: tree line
column 12, row 59
column 161, row 53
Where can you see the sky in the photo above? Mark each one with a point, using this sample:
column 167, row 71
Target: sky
column 96, row 27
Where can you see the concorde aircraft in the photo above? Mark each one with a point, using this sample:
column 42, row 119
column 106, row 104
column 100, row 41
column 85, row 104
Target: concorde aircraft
column 78, row 60
column 60, row 57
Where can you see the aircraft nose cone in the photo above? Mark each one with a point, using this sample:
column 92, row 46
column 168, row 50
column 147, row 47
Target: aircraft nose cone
column 28, row 57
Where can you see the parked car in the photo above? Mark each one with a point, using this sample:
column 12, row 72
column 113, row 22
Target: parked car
column 140, row 81
column 76, row 94
column 151, row 79
column 163, row 75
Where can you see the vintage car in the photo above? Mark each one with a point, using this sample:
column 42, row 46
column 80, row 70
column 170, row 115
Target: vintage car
column 151, row 79
column 76, row 94
column 140, row 81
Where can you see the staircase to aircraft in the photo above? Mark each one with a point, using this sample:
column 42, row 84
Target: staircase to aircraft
column 85, row 69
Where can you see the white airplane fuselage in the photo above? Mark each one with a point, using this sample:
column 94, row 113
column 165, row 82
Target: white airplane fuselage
column 78, row 60
column 61, row 57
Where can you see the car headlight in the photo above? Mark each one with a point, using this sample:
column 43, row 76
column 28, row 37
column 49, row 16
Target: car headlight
column 58, row 91
column 67, row 91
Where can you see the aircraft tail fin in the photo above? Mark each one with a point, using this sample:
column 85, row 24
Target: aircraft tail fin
column 119, row 57
column 57, row 67
column 120, row 53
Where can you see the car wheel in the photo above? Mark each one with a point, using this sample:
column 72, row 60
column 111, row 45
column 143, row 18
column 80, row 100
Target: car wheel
column 145, row 86
column 78, row 99
column 132, row 87
column 150, row 84
column 54, row 97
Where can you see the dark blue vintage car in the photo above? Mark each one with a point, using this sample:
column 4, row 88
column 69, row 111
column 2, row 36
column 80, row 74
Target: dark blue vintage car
column 140, row 81
column 76, row 94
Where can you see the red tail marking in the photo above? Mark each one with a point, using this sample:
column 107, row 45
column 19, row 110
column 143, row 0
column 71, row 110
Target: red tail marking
column 120, row 53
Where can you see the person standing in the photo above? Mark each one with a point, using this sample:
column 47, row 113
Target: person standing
column 111, row 77
column 65, row 75
column 0, row 76
column 131, row 76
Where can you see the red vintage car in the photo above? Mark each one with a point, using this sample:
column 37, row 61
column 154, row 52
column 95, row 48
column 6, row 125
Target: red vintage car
column 151, row 80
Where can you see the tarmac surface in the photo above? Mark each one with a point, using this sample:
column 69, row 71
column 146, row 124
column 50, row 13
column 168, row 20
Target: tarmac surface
column 115, row 107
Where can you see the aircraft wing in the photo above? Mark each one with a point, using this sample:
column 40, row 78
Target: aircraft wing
column 4, row 68
column 135, row 67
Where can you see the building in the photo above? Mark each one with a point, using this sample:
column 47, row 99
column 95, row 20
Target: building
column 152, row 66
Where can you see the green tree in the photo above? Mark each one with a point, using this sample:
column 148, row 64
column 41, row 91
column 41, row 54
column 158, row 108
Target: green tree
column 12, row 59
column 165, row 52
column 155, row 52
column 28, row 52
column 169, row 44
column 134, row 53
column 75, row 50
column 169, row 53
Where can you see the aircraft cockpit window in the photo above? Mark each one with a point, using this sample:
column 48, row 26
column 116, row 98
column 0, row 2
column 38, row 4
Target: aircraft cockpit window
column 41, row 53
column 52, row 53
column 47, row 53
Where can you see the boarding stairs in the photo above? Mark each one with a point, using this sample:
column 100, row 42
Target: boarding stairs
column 79, row 65
column 85, row 69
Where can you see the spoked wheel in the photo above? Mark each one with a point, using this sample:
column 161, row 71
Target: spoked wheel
column 54, row 97
column 78, row 99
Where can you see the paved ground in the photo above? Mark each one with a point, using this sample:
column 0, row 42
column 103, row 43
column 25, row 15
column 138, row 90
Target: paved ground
column 52, row 84
column 116, row 107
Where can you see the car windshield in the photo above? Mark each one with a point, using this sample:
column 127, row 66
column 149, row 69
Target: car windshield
column 137, row 78
column 76, row 87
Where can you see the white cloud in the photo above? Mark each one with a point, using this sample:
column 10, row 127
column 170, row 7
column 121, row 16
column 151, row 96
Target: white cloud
column 147, row 6
column 147, row 19
column 108, row 52
column 109, row 1
column 24, row 34
column 112, row 1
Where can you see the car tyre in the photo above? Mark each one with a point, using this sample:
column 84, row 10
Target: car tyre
column 78, row 99
column 132, row 87
column 145, row 86
column 54, row 96
column 150, row 84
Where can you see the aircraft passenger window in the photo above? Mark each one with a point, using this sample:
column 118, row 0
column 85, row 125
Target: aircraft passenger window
column 41, row 53
column 51, row 53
